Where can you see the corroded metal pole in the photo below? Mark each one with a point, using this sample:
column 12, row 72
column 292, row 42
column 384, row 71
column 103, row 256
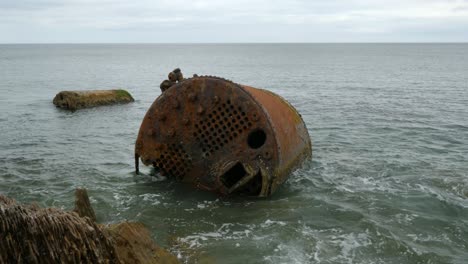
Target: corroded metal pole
column 223, row 137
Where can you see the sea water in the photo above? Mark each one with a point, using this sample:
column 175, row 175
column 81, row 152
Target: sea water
column 388, row 181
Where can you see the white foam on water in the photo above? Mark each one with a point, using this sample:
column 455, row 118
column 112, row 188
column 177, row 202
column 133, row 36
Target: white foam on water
column 124, row 201
column 157, row 178
column 359, row 184
column 289, row 253
column 151, row 197
column 442, row 237
column 405, row 219
column 224, row 232
column 348, row 245
column 269, row 223
column 444, row 196
column 207, row 204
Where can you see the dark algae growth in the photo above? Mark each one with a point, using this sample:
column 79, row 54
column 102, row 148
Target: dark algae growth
column 122, row 94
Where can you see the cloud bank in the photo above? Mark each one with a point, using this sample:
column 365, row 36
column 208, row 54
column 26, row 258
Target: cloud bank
column 207, row 21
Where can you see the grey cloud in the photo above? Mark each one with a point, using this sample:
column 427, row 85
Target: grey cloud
column 232, row 20
column 29, row 4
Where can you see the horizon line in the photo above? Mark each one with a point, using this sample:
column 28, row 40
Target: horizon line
column 238, row 43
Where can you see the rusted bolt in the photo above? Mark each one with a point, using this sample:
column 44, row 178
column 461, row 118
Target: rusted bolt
column 192, row 97
column 216, row 99
column 200, row 110
column 255, row 117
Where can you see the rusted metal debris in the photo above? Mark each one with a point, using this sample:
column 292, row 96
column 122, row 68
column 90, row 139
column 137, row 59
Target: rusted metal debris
column 174, row 77
column 223, row 137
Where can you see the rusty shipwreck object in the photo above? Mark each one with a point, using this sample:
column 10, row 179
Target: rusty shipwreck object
column 223, row 137
column 74, row 100
column 30, row 234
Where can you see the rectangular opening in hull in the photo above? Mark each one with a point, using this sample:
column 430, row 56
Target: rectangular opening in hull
column 253, row 187
column 233, row 175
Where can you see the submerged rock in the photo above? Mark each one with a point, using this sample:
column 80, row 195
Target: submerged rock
column 30, row 234
column 133, row 244
column 74, row 100
column 82, row 205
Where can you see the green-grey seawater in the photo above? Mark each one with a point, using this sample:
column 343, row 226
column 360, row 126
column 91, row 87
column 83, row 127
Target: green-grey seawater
column 388, row 182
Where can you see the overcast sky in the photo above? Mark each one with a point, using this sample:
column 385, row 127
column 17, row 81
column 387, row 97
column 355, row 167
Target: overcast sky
column 206, row 21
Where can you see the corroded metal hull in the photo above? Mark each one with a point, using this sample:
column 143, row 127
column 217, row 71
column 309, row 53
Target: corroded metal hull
column 223, row 137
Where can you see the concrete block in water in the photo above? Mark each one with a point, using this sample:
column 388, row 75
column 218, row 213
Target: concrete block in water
column 74, row 100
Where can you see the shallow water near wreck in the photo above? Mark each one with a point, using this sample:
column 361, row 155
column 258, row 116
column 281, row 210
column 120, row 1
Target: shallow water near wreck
column 388, row 181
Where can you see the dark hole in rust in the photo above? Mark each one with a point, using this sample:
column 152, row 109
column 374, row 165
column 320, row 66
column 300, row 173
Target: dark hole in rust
column 256, row 138
column 253, row 187
column 233, row 175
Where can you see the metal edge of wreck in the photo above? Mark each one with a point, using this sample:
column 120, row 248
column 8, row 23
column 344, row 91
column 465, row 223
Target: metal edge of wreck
column 289, row 157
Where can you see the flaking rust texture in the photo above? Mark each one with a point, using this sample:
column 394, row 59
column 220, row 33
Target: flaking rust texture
column 223, row 137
